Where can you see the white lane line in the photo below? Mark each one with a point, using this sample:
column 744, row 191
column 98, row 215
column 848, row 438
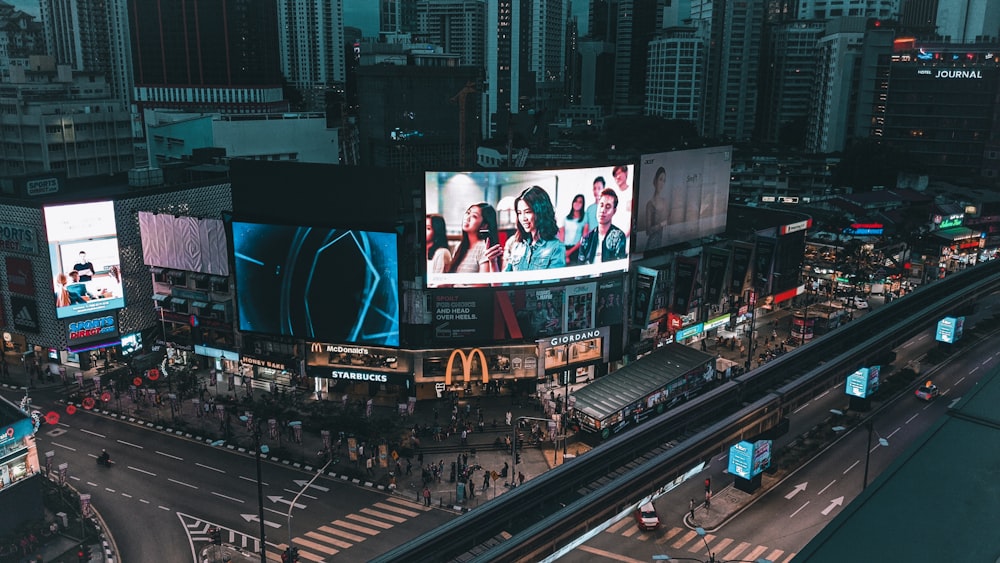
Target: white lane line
column 972, row 371
column 161, row 507
column 182, row 483
column 909, row 420
column 254, row 481
column 63, row 447
column 823, row 394
column 961, row 379
column 303, row 494
column 229, row 498
column 851, row 467
column 796, row 411
column 276, row 511
column 792, row 515
column 75, row 478
column 123, row 442
column 170, row 456
column 210, row 468
column 893, row 433
column 110, row 490
column 64, row 424
column 91, row 484
column 143, row 501
column 126, row 495
column 827, row 487
column 84, row 430
column 151, row 474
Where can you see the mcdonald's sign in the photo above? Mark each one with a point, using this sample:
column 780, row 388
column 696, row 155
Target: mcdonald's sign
column 466, row 365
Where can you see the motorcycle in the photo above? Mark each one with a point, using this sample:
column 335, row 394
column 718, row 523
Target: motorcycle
column 104, row 460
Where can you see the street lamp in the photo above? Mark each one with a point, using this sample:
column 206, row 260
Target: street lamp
column 296, row 499
column 258, row 449
column 868, row 451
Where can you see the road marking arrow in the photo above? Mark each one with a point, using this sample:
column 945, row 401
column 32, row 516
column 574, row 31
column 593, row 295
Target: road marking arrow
column 302, row 483
column 835, row 502
column 798, row 489
column 283, row 501
column 255, row 518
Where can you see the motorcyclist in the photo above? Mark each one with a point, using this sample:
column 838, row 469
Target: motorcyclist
column 105, row 458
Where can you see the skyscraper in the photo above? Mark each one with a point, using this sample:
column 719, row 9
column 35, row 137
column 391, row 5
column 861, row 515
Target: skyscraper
column 397, row 16
column 548, row 51
column 674, row 75
column 508, row 55
column 91, row 36
column 636, row 24
column 458, row 26
column 207, row 56
column 311, row 44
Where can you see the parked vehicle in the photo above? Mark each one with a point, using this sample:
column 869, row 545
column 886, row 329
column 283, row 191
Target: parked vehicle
column 646, row 517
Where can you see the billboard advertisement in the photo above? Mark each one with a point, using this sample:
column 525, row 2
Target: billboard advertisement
column 749, row 459
column 318, row 283
column 184, row 243
column 527, row 226
column 949, row 329
column 83, row 253
column 20, row 278
column 682, row 196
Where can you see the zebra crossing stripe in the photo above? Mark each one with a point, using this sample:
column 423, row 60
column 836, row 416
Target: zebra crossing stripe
column 383, row 515
column 723, row 544
column 736, row 552
column 408, row 504
column 396, row 509
column 775, row 555
column 370, row 521
column 356, row 527
column 684, row 539
column 618, row 525
column 313, row 546
column 669, row 535
column 327, row 539
column 346, row 535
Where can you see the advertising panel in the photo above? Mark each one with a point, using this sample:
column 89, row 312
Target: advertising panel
column 24, row 313
column 20, row 278
column 857, row 384
column 761, row 457
column 610, row 310
column 949, row 329
column 18, row 238
column 574, row 349
column 83, row 252
column 328, row 284
column 645, row 282
column 539, row 312
column 462, row 314
column 741, row 459
column 87, row 331
column 184, row 243
column 682, row 196
column 535, row 225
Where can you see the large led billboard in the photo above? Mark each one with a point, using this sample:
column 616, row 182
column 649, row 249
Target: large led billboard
column 318, row 283
column 83, row 253
column 682, row 196
column 507, row 227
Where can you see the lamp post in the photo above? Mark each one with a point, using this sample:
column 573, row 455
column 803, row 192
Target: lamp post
column 296, row 499
column 868, row 451
column 513, row 444
column 258, row 448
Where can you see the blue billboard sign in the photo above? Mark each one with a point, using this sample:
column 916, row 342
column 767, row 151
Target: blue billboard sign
column 688, row 332
column 741, row 459
column 949, row 329
column 863, row 383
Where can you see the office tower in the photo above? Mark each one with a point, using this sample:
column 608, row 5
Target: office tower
column 397, row 16
column 548, row 51
column 509, row 84
column 786, row 88
column 827, row 9
column 837, row 58
column 207, row 56
column 457, row 26
column 311, row 44
column 636, row 24
column 734, row 31
column 919, row 15
column 91, row 36
column 601, row 20
column 968, row 21
column 674, row 75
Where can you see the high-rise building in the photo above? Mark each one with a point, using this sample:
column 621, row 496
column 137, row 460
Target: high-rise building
column 636, row 24
column 509, row 84
column 674, row 75
column 20, row 37
column 968, row 21
column 397, row 16
column 827, row 9
column 458, row 26
column 734, row 31
column 548, row 51
column 311, row 43
column 786, row 89
column 207, row 56
column 838, row 57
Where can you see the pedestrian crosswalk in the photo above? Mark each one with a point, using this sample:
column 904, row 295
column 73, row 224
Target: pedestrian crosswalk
column 327, row 541
column 723, row 548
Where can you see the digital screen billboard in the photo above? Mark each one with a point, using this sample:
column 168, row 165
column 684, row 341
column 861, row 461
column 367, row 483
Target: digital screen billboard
column 682, row 196
column 527, row 226
column 318, row 283
column 83, row 253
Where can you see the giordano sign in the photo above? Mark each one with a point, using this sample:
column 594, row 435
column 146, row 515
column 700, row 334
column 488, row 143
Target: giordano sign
column 466, row 365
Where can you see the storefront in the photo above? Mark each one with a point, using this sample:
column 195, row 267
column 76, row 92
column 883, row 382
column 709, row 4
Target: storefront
column 219, row 361
column 19, row 492
column 465, row 372
column 348, row 372
column 268, row 372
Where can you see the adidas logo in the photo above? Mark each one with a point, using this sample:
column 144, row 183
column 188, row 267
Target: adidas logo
column 23, row 317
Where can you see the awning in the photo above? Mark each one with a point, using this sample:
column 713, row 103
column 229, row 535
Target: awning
column 219, row 307
column 175, row 273
column 199, row 304
column 160, row 296
column 219, row 280
column 178, row 300
column 156, row 270
column 199, row 277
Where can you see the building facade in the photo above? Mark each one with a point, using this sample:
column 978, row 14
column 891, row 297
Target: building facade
column 311, row 46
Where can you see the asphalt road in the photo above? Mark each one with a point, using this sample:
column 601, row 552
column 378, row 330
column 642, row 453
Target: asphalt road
column 164, row 493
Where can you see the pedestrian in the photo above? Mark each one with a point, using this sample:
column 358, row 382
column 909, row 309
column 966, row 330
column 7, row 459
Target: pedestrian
column 427, row 496
column 486, row 480
column 409, row 467
column 368, row 466
column 465, row 437
column 520, row 478
column 691, row 508
column 471, row 488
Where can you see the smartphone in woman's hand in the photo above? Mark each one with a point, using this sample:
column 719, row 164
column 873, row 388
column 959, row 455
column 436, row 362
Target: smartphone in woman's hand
column 484, row 235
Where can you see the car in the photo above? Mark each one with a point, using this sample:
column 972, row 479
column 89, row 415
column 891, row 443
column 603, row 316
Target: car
column 854, row 301
column 927, row 391
column 646, row 517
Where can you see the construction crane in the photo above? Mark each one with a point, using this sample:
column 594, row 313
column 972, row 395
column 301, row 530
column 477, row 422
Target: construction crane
column 469, row 88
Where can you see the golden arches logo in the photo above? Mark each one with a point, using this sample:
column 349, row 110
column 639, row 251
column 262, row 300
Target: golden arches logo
column 466, row 365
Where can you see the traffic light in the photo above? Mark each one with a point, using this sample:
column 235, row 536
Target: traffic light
column 216, row 535
column 517, row 457
column 83, row 554
column 294, row 555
